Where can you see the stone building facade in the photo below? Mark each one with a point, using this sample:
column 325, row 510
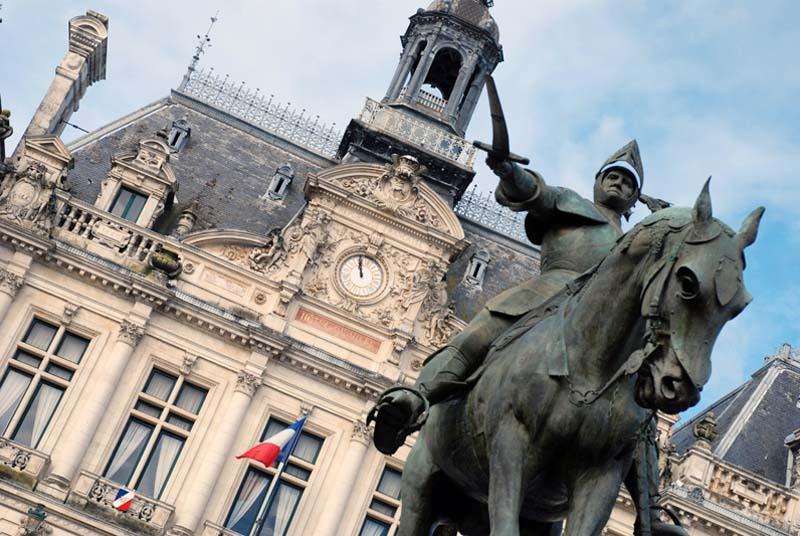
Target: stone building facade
column 181, row 283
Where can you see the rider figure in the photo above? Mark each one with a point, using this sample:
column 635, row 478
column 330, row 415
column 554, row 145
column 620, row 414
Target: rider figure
column 574, row 234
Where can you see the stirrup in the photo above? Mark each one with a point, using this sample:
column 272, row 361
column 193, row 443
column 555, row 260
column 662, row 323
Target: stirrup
column 388, row 445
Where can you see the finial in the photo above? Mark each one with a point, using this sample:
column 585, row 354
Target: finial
column 203, row 41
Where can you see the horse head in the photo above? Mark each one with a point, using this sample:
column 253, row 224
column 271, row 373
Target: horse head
column 691, row 286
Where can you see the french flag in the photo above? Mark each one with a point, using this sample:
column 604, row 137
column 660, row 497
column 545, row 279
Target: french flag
column 124, row 499
column 278, row 447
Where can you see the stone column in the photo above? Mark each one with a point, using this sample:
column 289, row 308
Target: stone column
column 84, row 64
column 425, row 60
column 402, row 70
column 80, row 429
column 202, row 480
column 12, row 278
column 460, row 86
column 333, row 512
column 473, row 93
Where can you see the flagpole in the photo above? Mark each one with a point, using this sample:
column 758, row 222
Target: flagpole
column 262, row 512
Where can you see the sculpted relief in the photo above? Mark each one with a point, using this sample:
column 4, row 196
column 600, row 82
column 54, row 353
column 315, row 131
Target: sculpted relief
column 397, row 191
column 28, row 198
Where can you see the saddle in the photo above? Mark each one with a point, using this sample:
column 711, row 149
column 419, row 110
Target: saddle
column 516, row 334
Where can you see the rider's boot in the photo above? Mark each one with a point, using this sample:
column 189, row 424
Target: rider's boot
column 401, row 412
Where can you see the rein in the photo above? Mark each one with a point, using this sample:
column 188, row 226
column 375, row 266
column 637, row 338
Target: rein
column 654, row 331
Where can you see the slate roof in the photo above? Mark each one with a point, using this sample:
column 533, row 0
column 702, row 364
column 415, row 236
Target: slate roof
column 226, row 167
column 754, row 419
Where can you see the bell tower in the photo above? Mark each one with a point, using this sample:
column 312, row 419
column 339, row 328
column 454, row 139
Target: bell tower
column 448, row 49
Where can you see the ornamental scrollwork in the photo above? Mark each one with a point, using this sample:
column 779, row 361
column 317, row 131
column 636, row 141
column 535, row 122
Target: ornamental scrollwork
column 247, row 383
column 130, row 333
column 361, row 433
column 28, row 199
column 10, row 283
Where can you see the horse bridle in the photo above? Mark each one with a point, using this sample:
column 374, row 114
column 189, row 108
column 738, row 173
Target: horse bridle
column 654, row 331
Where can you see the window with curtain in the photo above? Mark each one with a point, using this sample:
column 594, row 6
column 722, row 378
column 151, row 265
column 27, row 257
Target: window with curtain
column 275, row 503
column 383, row 512
column 160, row 423
column 37, row 376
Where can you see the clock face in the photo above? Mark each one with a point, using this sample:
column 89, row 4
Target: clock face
column 360, row 275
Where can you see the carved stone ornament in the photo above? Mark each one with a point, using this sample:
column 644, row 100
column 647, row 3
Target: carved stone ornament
column 361, row 432
column 247, row 383
column 130, row 333
column 269, row 257
column 28, row 199
column 419, row 284
column 309, row 237
column 188, row 364
column 705, row 431
column 10, row 283
column 397, row 191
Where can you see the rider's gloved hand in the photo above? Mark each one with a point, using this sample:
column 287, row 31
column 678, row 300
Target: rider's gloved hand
column 501, row 167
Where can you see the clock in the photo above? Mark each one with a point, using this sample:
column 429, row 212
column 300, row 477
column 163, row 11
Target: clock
column 360, row 276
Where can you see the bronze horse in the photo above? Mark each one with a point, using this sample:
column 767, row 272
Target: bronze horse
column 548, row 431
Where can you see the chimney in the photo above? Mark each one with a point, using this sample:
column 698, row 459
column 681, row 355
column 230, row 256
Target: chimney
column 83, row 65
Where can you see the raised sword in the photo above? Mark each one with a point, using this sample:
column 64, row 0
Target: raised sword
column 500, row 148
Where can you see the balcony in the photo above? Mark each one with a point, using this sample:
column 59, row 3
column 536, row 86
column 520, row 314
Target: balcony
column 104, row 235
column 96, row 495
column 418, row 132
column 20, row 464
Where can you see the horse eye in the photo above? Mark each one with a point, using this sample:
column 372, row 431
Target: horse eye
column 688, row 285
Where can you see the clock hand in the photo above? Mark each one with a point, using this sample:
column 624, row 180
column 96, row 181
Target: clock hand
column 361, row 267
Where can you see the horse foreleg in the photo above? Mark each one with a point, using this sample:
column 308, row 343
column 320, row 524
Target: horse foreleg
column 419, row 478
column 508, row 470
column 593, row 498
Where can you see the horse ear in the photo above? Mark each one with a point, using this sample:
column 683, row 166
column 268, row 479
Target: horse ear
column 747, row 234
column 701, row 213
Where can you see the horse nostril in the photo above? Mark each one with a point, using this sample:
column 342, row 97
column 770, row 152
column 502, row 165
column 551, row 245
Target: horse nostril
column 668, row 388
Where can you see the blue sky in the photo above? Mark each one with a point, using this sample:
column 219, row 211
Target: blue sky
column 707, row 87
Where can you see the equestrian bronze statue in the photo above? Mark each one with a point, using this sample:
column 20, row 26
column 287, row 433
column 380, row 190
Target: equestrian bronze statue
column 535, row 411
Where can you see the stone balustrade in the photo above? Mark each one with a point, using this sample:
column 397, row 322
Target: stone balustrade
column 429, row 100
column 96, row 494
column 102, row 234
column 734, row 493
column 422, row 133
column 21, row 465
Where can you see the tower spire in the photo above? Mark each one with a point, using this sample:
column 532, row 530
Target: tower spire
column 203, row 41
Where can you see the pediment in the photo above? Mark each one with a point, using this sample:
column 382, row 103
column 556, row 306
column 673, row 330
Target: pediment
column 230, row 245
column 49, row 149
column 151, row 158
column 396, row 189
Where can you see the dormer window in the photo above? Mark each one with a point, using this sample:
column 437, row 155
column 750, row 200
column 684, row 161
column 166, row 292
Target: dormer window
column 178, row 135
column 476, row 270
column 280, row 182
column 128, row 204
